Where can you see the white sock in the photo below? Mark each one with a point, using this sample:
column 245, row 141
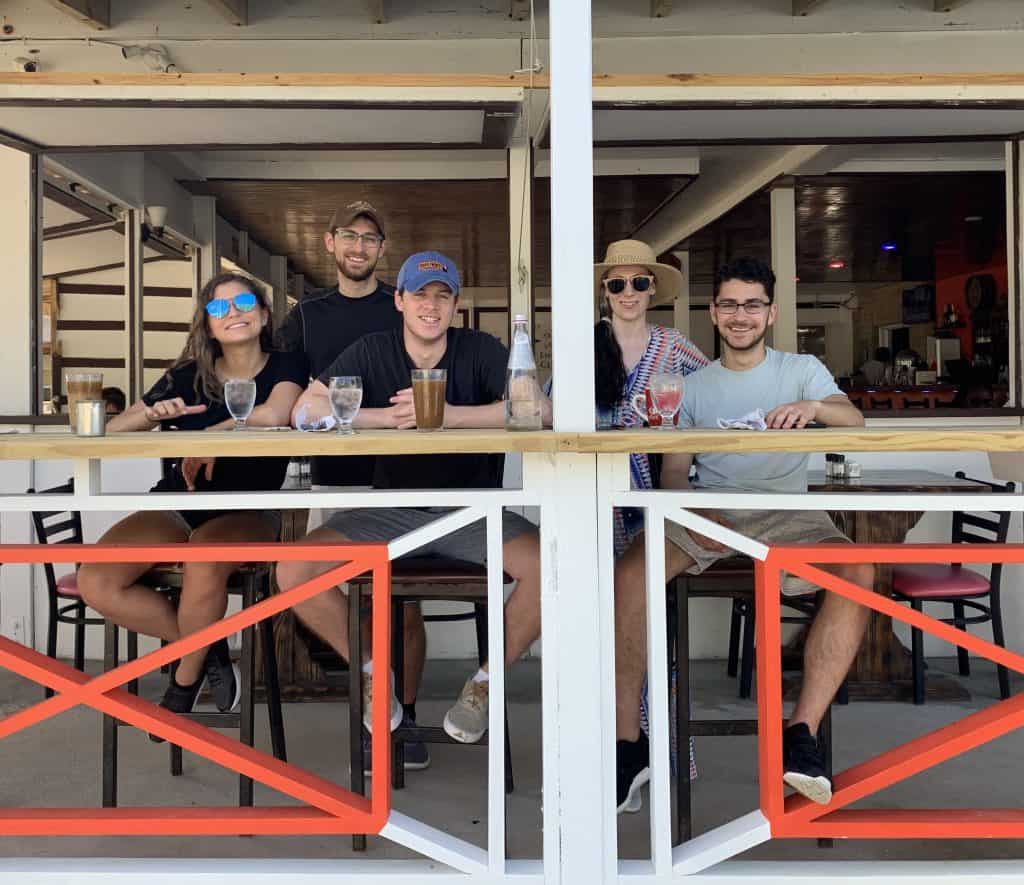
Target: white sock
column 482, row 676
column 368, row 668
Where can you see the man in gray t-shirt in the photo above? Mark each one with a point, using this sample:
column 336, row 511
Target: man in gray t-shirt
column 719, row 392
column 792, row 390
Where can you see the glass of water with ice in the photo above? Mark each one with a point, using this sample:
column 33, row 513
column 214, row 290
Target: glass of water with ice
column 346, row 394
column 239, row 397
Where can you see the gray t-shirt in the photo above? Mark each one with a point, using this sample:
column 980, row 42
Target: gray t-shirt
column 717, row 392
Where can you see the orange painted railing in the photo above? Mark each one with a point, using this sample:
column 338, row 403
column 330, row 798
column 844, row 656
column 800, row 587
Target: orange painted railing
column 328, row 808
column 797, row 817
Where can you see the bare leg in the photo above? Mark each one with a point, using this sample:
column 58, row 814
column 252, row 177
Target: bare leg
column 204, row 596
column 631, row 630
column 111, row 588
column 832, row 644
column 326, row 614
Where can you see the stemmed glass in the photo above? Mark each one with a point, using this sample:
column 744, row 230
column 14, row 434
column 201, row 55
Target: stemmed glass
column 240, row 397
column 346, row 395
column 666, row 397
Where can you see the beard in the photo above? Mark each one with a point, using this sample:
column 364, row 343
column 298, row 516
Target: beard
column 754, row 342
column 355, row 276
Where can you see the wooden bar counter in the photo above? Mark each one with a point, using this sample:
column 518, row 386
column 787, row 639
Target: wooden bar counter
column 256, row 443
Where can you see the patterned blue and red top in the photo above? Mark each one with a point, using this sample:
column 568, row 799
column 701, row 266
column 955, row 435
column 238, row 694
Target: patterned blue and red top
column 668, row 350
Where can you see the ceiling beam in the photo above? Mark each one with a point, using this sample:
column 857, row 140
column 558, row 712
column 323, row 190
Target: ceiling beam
column 720, row 187
column 235, row 11
column 802, row 7
column 519, row 10
column 949, row 5
column 661, row 8
column 94, row 13
column 378, row 11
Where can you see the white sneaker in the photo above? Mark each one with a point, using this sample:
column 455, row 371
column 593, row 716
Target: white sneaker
column 466, row 721
column 396, row 707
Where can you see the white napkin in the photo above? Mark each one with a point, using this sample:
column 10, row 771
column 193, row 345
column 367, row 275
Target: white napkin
column 751, row 421
column 304, row 423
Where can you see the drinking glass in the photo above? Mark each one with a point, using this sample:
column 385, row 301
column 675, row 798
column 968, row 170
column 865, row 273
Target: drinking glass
column 346, row 394
column 666, row 397
column 240, row 397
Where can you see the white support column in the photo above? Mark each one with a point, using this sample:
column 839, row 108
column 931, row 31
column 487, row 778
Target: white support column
column 133, row 303
column 279, row 281
column 20, row 264
column 681, row 309
column 204, row 211
column 579, row 773
column 784, row 336
column 572, row 213
column 520, row 211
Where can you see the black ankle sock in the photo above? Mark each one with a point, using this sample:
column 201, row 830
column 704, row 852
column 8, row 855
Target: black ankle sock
column 190, row 685
column 410, row 710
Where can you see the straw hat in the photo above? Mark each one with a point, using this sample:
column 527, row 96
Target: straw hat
column 668, row 280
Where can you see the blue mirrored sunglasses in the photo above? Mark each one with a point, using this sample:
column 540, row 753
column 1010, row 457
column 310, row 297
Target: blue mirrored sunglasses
column 219, row 308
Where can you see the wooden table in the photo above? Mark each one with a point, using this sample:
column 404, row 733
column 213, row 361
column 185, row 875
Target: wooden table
column 882, row 669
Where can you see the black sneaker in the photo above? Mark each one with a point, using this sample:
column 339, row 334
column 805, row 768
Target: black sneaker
column 803, row 764
column 416, row 756
column 179, row 699
column 223, row 677
column 632, row 771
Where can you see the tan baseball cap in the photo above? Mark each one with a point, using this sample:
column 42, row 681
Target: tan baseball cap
column 359, row 209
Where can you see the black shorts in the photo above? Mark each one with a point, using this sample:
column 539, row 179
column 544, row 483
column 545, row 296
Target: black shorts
column 193, row 519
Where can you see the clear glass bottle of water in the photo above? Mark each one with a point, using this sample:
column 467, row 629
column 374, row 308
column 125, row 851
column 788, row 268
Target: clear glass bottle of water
column 522, row 393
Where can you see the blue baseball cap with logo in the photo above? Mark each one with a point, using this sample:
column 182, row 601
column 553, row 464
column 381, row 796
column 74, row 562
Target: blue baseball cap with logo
column 428, row 267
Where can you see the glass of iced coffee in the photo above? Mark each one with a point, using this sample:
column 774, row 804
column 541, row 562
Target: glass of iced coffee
column 82, row 386
column 428, row 390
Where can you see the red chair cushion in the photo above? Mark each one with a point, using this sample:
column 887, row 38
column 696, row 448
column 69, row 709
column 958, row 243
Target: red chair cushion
column 67, row 585
column 933, row 580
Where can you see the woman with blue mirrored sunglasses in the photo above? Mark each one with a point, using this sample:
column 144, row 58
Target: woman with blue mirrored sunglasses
column 218, row 308
column 222, row 345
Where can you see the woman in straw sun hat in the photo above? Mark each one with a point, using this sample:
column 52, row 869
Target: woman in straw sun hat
column 628, row 350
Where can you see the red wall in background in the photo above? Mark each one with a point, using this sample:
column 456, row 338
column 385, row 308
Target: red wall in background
column 952, row 270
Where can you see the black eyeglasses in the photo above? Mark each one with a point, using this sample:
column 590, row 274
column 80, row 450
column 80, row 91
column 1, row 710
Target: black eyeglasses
column 350, row 237
column 617, row 285
column 751, row 308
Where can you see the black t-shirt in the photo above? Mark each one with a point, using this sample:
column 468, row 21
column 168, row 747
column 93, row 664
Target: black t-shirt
column 320, row 327
column 229, row 474
column 476, row 364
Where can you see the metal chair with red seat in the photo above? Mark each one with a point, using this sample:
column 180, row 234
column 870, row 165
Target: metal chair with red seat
column 65, row 602
column 960, row 587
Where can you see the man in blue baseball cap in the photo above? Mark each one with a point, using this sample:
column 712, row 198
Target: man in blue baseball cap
column 427, row 297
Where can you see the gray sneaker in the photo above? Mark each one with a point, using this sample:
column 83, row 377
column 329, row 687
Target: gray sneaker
column 396, row 707
column 466, row 721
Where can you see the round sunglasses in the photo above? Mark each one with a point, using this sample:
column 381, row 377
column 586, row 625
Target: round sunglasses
column 219, row 308
column 617, row 285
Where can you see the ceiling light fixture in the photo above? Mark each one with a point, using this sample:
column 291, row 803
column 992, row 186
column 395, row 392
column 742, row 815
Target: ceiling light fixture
column 837, row 265
column 888, row 247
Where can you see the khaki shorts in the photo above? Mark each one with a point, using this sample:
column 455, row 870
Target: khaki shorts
column 769, row 527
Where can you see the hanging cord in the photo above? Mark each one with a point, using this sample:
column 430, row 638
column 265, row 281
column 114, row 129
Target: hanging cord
column 522, row 272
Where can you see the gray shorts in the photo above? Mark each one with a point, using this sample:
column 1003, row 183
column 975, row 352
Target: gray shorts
column 468, row 544
column 769, row 527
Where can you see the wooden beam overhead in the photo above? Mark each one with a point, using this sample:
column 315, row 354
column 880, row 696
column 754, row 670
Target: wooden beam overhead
column 803, row 7
column 519, row 10
column 94, row 13
column 661, row 8
column 235, row 11
column 949, row 5
column 378, row 11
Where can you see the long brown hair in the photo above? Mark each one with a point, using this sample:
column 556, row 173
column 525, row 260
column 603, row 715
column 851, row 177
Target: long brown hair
column 203, row 349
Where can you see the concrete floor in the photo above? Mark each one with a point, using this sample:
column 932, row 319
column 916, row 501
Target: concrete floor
column 57, row 763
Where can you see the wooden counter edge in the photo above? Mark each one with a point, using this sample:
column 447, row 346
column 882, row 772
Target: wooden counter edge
column 52, row 446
